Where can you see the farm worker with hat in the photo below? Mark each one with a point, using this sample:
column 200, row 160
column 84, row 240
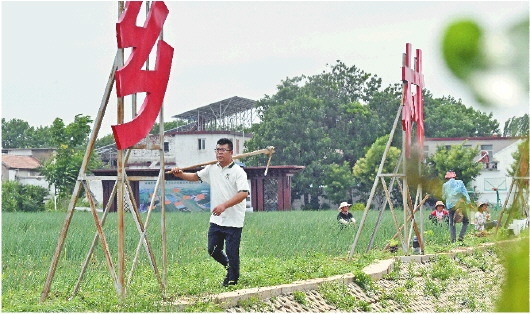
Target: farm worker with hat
column 454, row 192
column 439, row 213
column 229, row 188
column 345, row 217
column 482, row 217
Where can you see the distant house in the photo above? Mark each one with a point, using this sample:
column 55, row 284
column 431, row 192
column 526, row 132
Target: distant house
column 496, row 156
column 23, row 169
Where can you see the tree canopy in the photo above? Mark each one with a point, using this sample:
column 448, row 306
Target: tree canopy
column 327, row 122
column 516, row 126
column 70, row 141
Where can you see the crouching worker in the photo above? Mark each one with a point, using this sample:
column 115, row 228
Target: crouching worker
column 344, row 217
column 229, row 188
column 439, row 214
column 483, row 218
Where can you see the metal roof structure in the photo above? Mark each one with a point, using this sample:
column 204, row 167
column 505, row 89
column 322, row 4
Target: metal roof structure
column 227, row 114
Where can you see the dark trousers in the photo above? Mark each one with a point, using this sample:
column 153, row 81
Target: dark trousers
column 217, row 235
column 452, row 226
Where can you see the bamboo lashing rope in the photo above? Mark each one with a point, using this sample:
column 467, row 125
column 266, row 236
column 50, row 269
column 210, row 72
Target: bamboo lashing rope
column 268, row 151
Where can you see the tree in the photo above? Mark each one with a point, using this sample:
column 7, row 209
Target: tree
column 317, row 121
column 71, row 140
column 22, row 197
column 167, row 126
column 365, row 168
column 458, row 158
column 105, row 140
column 16, row 133
column 339, row 183
column 448, row 117
column 516, row 126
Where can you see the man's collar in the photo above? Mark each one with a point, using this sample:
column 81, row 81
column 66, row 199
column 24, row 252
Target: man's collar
column 230, row 165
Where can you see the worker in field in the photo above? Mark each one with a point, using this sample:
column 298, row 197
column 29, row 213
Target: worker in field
column 344, row 217
column 439, row 214
column 229, row 188
column 455, row 194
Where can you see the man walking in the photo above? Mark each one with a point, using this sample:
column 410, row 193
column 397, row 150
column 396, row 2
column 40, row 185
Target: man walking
column 454, row 192
column 229, row 188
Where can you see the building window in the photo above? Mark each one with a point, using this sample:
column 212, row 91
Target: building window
column 202, row 143
column 166, row 147
column 487, row 149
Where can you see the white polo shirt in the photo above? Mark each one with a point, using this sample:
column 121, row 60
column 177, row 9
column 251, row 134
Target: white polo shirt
column 224, row 184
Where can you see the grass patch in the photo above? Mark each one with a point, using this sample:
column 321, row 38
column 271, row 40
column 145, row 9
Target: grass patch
column 276, row 248
column 300, row 297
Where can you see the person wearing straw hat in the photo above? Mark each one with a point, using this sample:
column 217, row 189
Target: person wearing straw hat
column 454, row 192
column 482, row 217
column 439, row 213
column 344, row 217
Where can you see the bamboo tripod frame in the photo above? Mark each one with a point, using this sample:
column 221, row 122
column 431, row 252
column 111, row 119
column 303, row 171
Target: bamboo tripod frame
column 518, row 193
column 121, row 188
column 409, row 209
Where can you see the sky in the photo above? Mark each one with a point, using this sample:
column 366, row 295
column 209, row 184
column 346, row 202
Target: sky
column 56, row 56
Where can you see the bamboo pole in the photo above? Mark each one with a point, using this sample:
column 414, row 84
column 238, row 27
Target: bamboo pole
column 392, row 210
column 103, row 240
column 141, row 228
column 120, row 188
column 146, row 224
column 163, row 201
column 409, row 218
column 77, row 187
column 383, row 207
column 374, row 186
column 93, row 245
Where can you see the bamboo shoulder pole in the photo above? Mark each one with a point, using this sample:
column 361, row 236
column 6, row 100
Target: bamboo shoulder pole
column 268, row 151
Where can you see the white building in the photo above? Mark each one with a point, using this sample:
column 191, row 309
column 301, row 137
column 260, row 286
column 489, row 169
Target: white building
column 495, row 154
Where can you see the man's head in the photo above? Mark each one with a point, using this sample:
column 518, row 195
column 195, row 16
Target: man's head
column 450, row 174
column 224, row 151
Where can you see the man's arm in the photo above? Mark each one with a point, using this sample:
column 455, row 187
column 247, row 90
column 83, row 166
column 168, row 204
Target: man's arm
column 188, row 176
column 236, row 199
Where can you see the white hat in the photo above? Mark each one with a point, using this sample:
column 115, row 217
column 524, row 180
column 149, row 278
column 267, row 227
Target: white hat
column 343, row 204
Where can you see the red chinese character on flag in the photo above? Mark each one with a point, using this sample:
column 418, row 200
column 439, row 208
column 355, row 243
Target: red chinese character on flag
column 131, row 79
column 412, row 104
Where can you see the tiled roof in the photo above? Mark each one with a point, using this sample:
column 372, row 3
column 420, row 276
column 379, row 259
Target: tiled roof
column 19, row 162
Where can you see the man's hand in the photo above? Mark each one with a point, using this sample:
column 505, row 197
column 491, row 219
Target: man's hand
column 176, row 171
column 218, row 210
